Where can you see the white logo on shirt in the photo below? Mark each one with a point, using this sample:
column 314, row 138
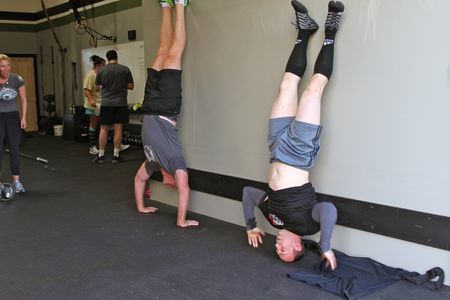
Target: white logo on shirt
column 8, row 94
column 149, row 153
column 275, row 220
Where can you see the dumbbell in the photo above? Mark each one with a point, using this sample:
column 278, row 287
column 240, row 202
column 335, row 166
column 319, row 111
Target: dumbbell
column 7, row 192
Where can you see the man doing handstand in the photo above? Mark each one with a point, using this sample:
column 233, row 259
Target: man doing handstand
column 290, row 203
column 161, row 107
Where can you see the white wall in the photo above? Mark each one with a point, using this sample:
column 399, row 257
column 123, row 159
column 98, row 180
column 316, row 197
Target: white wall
column 386, row 135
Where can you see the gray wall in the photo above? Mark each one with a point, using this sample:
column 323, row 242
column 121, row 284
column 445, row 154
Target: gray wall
column 18, row 42
column 386, row 135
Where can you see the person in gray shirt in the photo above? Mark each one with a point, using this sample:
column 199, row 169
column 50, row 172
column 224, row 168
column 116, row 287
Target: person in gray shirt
column 114, row 80
column 161, row 107
column 290, row 202
column 12, row 88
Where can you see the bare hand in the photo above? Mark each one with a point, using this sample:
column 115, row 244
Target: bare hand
column 23, row 124
column 146, row 210
column 330, row 258
column 255, row 237
column 187, row 223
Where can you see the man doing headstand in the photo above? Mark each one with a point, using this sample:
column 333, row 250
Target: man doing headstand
column 290, row 203
column 161, row 107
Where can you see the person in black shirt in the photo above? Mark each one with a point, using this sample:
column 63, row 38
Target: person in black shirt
column 290, row 203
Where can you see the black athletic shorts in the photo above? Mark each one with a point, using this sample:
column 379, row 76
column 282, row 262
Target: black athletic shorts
column 162, row 92
column 110, row 115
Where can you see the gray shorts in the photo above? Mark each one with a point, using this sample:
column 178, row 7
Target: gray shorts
column 293, row 142
column 161, row 145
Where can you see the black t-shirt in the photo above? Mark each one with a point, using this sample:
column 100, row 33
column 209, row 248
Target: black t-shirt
column 291, row 209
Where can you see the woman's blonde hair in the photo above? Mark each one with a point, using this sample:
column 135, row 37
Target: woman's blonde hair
column 4, row 57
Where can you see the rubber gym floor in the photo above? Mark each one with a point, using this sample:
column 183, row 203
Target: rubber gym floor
column 75, row 234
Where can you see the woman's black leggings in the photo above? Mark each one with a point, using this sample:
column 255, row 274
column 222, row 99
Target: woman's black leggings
column 10, row 127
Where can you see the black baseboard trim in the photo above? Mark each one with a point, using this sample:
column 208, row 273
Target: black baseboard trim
column 408, row 225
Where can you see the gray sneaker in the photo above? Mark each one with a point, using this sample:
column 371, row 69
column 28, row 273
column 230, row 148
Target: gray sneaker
column 19, row 187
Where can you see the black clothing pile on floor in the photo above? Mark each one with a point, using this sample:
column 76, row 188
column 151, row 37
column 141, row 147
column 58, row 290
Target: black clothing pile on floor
column 359, row 276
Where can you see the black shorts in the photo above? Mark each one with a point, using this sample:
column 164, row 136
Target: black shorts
column 110, row 115
column 162, row 92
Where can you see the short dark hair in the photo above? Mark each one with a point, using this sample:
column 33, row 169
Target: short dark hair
column 94, row 58
column 111, row 55
column 97, row 60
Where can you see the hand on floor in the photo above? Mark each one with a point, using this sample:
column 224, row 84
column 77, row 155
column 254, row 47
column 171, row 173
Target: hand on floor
column 255, row 237
column 187, row 223
column 148, row 209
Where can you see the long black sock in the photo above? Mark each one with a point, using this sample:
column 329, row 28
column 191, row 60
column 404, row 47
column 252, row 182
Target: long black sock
column 324, row 62
column 306, row 26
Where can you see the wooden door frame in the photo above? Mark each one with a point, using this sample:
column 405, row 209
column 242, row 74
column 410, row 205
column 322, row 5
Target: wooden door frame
column 36, row 80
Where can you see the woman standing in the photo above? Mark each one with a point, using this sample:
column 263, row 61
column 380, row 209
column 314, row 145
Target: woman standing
column 92, row 102
column 11, row 123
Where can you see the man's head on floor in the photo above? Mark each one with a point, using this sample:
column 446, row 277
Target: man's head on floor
column 289, row 246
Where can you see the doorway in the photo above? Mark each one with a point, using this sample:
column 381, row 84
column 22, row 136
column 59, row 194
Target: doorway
column 25, row 66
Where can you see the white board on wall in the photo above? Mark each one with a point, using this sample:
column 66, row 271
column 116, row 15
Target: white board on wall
column 130, row 55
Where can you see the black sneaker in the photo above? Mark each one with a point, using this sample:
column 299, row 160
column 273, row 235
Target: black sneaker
column 302, row 20
column 117, row 159
column 335, row 10
column 99, row 159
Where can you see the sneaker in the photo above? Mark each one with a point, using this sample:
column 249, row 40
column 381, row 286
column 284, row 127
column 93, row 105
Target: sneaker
column 124, row 147
column 166, row 3
column 99, row 159
column 93, row 150
column 335, row 10
column 302, row 19
column 18, row 186
column 117, row 159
